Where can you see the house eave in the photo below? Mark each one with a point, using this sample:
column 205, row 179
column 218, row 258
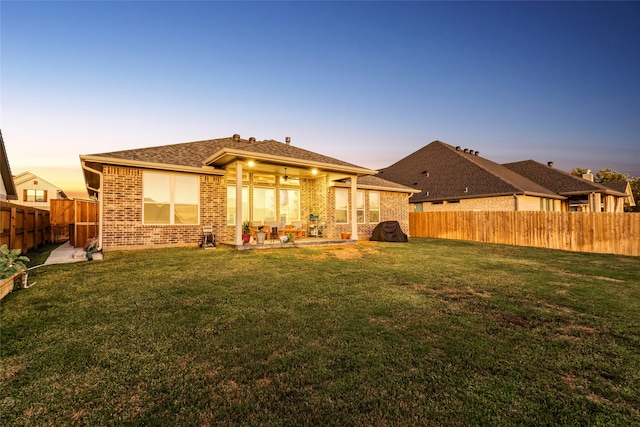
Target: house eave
column 204, row 169
column 226, row 156
column 379, row 188
column 483, row 196
column 587, row 192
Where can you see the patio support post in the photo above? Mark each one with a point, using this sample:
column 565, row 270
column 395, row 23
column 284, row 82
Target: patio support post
column 238, row 236
column 354, row 211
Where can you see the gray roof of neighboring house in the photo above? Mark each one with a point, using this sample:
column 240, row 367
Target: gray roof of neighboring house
column 6, row 177
column 620, row 186
column 444, row 172
column 559, row 181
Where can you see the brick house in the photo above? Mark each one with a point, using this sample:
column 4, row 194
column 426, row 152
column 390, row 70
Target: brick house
column 163, row 195
column 456, row 179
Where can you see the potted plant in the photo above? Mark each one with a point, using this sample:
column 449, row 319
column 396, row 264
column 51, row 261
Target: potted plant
column 11, row 266
column 313, row 213
column 246, row 231
column 261, row 235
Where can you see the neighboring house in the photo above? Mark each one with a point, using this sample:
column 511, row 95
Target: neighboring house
column 456, row 179
column 582, row 194
column 164, row 195
column 35, row 191
column 7, row 185
column 623, row 187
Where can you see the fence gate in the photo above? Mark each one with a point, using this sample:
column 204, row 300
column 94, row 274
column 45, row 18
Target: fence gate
column 74, row 220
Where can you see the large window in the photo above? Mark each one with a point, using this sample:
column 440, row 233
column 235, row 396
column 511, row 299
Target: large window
column 35, row 195
column 374, row 206
column 231, row 204
column 342, row 206
column 264, row 204
column 170, row 198
column 289, row 205
column 360, row 206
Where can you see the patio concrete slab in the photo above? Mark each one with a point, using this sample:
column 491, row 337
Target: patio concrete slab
column 66, row 253
column 305, row 242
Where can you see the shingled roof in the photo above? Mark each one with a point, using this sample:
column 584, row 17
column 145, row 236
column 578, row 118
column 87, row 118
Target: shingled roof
column 444, row 172
column 211, row 152
column 559, row 181
column 376, row 183
column 214, row 155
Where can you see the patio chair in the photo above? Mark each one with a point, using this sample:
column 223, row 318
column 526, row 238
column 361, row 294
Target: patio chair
column 300, row 230
column 208, row 237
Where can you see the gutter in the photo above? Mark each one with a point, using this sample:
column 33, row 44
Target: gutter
column 98, row 191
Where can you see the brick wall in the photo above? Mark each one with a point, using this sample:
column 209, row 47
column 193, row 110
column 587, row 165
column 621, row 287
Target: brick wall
column 122, row 199
column 393, row 207
column 123, row 227
column 500, row 203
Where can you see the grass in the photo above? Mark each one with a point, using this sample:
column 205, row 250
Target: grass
column 431, row 332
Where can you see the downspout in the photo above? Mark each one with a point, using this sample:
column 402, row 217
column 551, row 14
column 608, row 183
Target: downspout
column 515, row 201
column 100, row 204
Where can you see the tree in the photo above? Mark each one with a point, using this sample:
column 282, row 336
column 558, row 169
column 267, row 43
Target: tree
column 635, row 189
column 608, row 175
column 579, row 171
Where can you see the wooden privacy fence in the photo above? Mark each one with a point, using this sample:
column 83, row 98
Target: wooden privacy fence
column 74, row 220
column 600, row 232
column 23, row 227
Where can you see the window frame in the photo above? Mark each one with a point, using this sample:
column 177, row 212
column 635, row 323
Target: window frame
column 379, row 196
column 284, row 208
column 360, row 207
column 172, row 202
column 344, row 209
column 231, row 207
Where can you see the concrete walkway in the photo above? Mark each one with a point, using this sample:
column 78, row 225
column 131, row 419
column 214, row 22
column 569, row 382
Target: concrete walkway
column 66, row 253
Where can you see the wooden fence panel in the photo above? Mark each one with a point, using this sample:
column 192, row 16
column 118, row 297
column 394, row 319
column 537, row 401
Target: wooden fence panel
column 600, row 232
column 23, row 227
column 74, row 220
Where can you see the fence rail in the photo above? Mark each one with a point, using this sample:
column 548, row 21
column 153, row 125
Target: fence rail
column 600, row 232
column 23, row 227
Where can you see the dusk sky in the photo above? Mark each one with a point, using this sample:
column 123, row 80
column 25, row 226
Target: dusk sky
column 364, row 82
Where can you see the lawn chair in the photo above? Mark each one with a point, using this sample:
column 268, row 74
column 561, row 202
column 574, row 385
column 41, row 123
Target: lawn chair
column 208, row 237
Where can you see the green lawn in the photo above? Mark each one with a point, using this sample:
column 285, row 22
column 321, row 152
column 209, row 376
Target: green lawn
column 430, row 332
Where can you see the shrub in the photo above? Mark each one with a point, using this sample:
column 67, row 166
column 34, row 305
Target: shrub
column 11, row 261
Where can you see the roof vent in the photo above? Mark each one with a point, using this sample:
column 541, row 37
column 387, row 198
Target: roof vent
column 476, row 153
column 252, row 139
column 550, row 164
column 236, row 137
column 458, row 148
column 288, row 140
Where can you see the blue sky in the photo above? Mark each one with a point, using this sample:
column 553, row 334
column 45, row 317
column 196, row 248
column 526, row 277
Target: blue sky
column 365, row 82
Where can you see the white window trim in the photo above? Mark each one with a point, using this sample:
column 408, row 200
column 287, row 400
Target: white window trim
column 171, row 199
column 336, row 205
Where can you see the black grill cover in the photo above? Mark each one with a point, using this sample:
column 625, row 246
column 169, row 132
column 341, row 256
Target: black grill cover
column 388, row 231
